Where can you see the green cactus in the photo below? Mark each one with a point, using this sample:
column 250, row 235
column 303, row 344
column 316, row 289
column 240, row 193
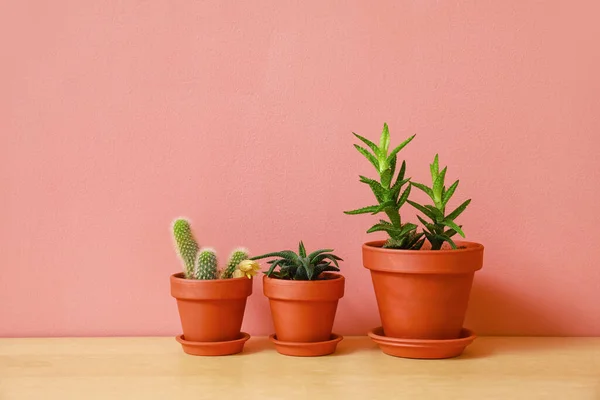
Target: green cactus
column 206, row 265
column 237, row 256
column 187, row 246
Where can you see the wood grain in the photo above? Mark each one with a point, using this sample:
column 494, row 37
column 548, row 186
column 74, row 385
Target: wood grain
column 156, row 368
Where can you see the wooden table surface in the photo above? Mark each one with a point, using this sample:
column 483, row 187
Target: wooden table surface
column 156, row 368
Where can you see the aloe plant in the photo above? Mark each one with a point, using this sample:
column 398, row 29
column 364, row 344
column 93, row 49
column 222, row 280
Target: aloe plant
column 388, row 192
column 300, row 266
column 442, row 227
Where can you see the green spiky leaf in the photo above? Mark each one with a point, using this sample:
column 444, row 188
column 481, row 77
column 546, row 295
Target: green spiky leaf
column 384, row 140
column 314, row 254
column 392, row 163
column 376, row 188
column 368, row 156
column 448, row 193
column 390, row 204
column 386, row 178
column 301, row 250
column 423, row 188
column 395, row 190
column 400, row 147
column 301, row 274
column 364, row 210
column 438, row 186
column 454, row 214
column 366, row 141
column 439, row 216
column 424, row 210
column 404, row 197
column 435, row 168
column 401, row 172
column 456, row 228
column 287, row 254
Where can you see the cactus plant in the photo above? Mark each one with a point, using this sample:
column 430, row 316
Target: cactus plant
column 186, row 245
column 202, row 264
column 237, row 256
column 206, row 264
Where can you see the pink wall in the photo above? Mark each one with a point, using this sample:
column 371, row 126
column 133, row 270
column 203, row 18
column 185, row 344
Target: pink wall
column 117, row 116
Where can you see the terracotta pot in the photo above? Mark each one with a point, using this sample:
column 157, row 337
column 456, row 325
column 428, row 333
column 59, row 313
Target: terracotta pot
column 211, row 310
column 422, row 294
column 303, row 311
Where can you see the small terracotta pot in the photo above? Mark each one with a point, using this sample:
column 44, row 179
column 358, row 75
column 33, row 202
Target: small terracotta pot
column 422, row 294
column 304, row 311
column 211, row 310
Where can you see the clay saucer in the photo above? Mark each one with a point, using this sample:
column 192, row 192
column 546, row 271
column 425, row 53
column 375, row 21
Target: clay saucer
column 416, row 348
column 310, row 349
column 213, row 348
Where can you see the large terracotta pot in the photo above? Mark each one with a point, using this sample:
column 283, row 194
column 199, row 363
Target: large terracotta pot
column 304, row 311
column 422, row 294
column 211, row 310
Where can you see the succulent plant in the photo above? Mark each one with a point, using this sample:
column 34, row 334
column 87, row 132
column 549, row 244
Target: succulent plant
column 206, row 264
column 391, row 198
column 202, row 264
column 186, row 245
column 388, row 192
column 236, row 257
column 300, row 266
column 442, row 227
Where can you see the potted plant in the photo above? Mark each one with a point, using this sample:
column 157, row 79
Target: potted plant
column 211, row 301
column 303, row 291
column 422, row 277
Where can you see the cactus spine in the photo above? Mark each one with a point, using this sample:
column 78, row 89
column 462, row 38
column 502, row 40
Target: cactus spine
column 186, row 245
column 206, row 265
column 237, row 256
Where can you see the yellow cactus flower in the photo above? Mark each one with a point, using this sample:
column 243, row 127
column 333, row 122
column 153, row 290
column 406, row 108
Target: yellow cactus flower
column 247, row 268
column 238, row 274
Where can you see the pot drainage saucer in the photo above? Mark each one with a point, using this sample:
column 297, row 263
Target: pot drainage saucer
column 307, row 349
column 213, row 348
column 422, row 348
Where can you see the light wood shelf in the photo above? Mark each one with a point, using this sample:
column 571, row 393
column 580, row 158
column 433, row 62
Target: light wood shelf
column 156, row 368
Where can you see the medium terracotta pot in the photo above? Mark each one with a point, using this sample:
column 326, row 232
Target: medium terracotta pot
column 211, row 310
column 422, row 294
column 304, row 311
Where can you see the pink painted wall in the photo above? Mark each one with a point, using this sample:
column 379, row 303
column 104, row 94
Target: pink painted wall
column 117, row 116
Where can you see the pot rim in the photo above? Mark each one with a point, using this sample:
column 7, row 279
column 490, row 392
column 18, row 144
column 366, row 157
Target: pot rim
column 210, row 289
column 440, row 262
column 375, row 245
column 336, row 277
column 320, row 290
